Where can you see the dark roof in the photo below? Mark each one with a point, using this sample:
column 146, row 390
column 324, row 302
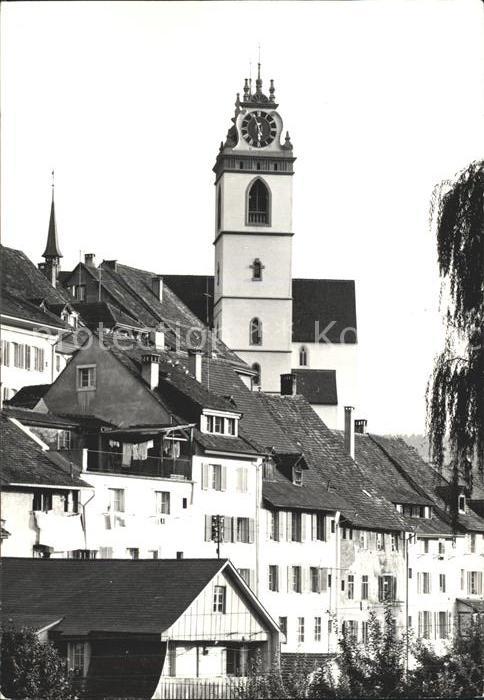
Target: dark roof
column 330, row 303
column 29, row 396
column 474, row 604
column 223, row 443
column 426, row 479
column 28, row 417
column 52, row 249
column 23, row 280
column 327, row 306
column 24, row 462
column 96, row 312
column 17, row 307
column 318, row 386
column 364, row 506
column 112, row 595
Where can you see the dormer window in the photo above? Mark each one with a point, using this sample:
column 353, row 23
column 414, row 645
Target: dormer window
column 462, row 503
column 297, row 476
column 219, row 424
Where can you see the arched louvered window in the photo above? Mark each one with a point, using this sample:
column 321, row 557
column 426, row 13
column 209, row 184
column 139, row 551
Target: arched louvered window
column 255, row 332
column 303, row 356
column 258, row 204
column 256, row 378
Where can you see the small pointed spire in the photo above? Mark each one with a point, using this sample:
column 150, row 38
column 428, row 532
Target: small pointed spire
column 246, row 89
column 258, row 82
column 272, row 91
column 52, row 249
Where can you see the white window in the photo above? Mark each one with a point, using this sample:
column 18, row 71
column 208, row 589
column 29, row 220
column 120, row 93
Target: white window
column 318, row 526
column 219, row 477
column 472, row 543
column 442, row 585
column 364, row 633
column 425, row 624
column 394, row 542
column 387, row 588
column 363, row 539
column 245, row 574
column 18, row 355
column 364, row 587
column 443, row 624
column 273, row 577
column 5, row 353
column 474, row 582
column 162, row 502
column 220, row 425
column 219, row 595
column 242, row 479
column 230, row 423
column 300, row 629
column 380, row 541
column 351, row 587
column 116, row 500
column 317, row 629
column 39, row 359
column 64, row 440
column 28, row 354
column 296, row 583
column 297, row 476
column 273, row 525
column 105, row 552
column 423, row 582
column 78, row 658
column 462, row 504
column 86, row 377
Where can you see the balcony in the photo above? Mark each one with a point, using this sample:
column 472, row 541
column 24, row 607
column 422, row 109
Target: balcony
column 258, row 217
column 179, row 468
column 199, row 688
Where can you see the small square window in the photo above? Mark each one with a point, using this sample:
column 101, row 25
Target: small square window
column 86, row 378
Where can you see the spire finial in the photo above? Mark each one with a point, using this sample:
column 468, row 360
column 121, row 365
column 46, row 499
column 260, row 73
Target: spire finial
column 52, row 185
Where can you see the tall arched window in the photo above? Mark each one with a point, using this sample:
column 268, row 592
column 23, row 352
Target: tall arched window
column 255, row 332
column 258, row 203
column 219, row 208
column 256, row 377
column 303, row 356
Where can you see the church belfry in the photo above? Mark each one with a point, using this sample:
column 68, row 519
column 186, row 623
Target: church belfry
column 253, row 236
column 52, row 254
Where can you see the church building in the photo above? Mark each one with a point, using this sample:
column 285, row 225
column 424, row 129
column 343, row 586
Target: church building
column 298, row 335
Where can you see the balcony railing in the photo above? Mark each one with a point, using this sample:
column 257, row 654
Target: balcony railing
column 112, row 463
column 199, row 688
column 258, row 217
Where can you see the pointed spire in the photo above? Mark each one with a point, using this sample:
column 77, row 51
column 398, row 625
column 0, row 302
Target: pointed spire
column 258, row 82
column 272, row 92
column 52, row 249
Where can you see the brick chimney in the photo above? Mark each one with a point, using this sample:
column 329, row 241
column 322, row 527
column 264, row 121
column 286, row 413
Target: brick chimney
column 195, row 364
column 89, row 259
column 157, row 287
column 150, row 368
column 288, row 384
column 360, row 426
column 349, row 432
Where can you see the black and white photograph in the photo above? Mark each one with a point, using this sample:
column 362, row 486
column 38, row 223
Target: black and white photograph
column 242, row 349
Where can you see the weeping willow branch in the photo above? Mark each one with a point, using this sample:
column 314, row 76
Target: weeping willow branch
column 455, row 394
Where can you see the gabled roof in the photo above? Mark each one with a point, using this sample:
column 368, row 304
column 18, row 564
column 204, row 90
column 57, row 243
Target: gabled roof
column 29, row 396
column 424, row 478
column 29, row 417
column 329, row 303
column 94, row 313
column 24, row 462
column 365, row 506
column 111, row 595
column 16, row 307
column 23, row 280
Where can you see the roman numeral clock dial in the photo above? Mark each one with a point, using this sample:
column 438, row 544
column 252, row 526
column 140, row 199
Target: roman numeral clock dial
column 259, row 129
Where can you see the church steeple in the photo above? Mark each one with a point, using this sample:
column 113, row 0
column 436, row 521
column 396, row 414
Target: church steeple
column 52, row 249
column 51, row 254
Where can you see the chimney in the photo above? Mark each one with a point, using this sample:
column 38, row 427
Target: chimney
column 349, row 432
column 150, row 368
column 157, row 287
column 157, row 338
column 111, row 265
column 195, row 364
column 360, row 426
column 89, row 259
column 288, row 384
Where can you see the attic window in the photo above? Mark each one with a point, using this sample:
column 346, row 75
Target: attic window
column 297, row 476
column 462, row 503
column 220, row 425
column 86, row 377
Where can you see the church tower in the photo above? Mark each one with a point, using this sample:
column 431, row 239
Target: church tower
column 52, row 254
column 253, row 237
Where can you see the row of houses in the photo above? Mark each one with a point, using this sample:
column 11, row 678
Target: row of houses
column 144, row 454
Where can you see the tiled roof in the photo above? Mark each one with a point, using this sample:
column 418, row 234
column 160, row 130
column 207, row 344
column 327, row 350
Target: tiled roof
column 111, row 595
column 29, row 396
column 22, row 279
column 94, row 313
column 330, row 303
column 365, row 506
column 17, row 307
column 28, row 417
column 318, row 386
column 223, row 443
column 423, row 477
column 24, row 462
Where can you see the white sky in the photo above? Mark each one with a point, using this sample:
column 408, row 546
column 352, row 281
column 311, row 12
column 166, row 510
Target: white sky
column 129, row 101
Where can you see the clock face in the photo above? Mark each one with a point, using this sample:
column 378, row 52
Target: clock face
column 259, row 129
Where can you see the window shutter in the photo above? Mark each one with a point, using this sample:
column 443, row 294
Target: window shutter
column 469, row 582
column 436, row 625
column 323, row 577
column 269, row 517
column 288, row 515
column 227, row 528
column 420, row 624
column 289, row 579
column 205, row 468
column 303, row 527
column 224, row 478
column 239, row 479
column 252, row 579
column 208, row 528
column 313, row 525
column 380, row 588
column 281, row 524
column 304, row 579
column 251, row 530
column 234, row 529
column 419, row 583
